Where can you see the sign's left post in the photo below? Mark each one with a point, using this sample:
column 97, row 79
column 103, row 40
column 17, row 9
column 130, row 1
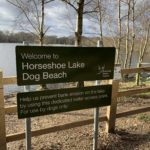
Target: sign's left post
column 27, row 125
column 27, row 122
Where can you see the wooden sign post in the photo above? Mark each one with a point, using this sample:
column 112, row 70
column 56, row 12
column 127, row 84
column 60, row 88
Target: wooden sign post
column 28, row 125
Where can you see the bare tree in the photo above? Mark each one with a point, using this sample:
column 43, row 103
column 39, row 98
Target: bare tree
column 32, row 17
column 79, row 7
column 33, row 12
column 143, row 47
column 119, row 33
column 98, row 15
column 133, row 32
column 114, row 20
column 79, row 24
column 127, row 33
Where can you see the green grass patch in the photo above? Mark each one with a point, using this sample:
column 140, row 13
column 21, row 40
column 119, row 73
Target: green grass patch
column 132, row 84
column 144, row 117
column 143, row 95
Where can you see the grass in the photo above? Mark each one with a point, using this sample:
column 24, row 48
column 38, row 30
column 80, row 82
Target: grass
column 143, row 95
column 144, row 117
column 132, row 84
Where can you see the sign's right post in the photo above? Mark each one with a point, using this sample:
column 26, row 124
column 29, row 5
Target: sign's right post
column 96, row 115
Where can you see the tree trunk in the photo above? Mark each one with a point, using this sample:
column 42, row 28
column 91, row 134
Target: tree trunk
column 42, row 24
column 41, row 35
column 79, row 24
column 127, row 36
column 100, row 23
column 142, row 52
column 119, row 32
column 133, row 33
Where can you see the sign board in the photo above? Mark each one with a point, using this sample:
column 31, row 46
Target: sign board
column 43, row 65
column 39, row 103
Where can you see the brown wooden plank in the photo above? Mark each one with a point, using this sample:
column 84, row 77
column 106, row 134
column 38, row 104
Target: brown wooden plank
column 9, row 80
column 11, row 109
column 20, row 136
column 133, row 112
column 135, row 70
column 133, row 92
column 15, row 137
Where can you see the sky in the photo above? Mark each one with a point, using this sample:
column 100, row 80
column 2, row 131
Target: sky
column 60, row 19
column 7, row 15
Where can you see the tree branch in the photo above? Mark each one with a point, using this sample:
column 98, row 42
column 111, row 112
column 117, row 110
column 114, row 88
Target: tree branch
column 69, row 3
column 48, row 1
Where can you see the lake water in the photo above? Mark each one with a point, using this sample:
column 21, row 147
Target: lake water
column 7, row 59
column 7, row 64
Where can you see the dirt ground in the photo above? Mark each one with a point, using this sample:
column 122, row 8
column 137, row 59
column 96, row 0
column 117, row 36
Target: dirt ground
column 132, row 132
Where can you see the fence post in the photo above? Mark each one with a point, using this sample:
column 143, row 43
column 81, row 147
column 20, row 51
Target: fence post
column 3, row 145
column 111, row 110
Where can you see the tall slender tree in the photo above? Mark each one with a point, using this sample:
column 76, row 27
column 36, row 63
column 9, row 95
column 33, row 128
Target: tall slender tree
column 80, row 7
column 33, row 13
column 32, row 17
column 119, row 33
column 127, row 33
column 133, row 2
column 99, row 13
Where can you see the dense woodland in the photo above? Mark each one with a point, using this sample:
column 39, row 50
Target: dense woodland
column 7, row 37
column 20, row 37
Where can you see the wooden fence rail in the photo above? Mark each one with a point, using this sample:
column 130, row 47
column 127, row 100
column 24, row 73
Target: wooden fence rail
column 135, row 70
column 110, row 117
column 20, row 136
